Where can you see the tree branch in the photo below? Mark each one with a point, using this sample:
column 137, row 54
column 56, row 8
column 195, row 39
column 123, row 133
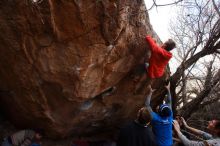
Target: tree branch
column 216, row 8
column 192, row 106
column 160, row 5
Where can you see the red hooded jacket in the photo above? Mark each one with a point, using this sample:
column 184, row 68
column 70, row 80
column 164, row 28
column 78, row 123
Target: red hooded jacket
column 158, row 60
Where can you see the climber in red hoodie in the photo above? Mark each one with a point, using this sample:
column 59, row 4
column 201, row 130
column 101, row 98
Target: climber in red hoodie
column 160, row 56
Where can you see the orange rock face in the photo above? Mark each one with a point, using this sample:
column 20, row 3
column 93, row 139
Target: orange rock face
column 69, row 66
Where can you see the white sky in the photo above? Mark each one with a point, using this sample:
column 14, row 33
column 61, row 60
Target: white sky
column 160, row 17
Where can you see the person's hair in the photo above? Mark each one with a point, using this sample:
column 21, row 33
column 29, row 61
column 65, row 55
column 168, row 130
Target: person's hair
column 39, row 131
column 164, row 110
column 217, row 127
column 169, row 45
column 178, row 114
column 144, row 116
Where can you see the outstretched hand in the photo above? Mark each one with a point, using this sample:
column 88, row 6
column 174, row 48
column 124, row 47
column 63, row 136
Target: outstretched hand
column 151, row 90
column 176, row 126
column 168, row 86
column 184, row 122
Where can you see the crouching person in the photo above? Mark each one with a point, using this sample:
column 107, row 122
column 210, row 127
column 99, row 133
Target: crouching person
column 24, row 138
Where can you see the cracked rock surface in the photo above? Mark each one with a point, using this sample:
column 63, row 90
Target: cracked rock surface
column 68, row 66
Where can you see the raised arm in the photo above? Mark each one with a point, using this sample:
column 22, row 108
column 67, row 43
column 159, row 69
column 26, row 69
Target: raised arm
column 168, row 99
column 183, row 138
column 152, row 43
column 148, row 98
column 196, row 131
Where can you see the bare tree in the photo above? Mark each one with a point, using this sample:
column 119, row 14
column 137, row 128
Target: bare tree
column 211, row 83
column 197, row 33
column 216, row 7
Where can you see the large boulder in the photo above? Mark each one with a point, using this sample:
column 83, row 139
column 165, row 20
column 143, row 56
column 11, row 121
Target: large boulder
column 72, row 66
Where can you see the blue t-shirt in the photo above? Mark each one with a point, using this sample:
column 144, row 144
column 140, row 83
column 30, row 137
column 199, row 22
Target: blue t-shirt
column 162, row 128
column 35, row 144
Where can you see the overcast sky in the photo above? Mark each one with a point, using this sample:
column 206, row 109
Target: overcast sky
column 160, row 18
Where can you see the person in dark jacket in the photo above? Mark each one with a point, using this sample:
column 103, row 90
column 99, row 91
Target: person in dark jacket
column 138, row 132
column 24, row 138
